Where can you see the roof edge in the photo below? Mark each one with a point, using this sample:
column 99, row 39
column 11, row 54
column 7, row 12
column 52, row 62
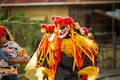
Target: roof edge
column 58, row 3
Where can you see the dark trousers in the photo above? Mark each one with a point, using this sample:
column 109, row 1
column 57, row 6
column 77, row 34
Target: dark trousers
column 64, row 70
column 10, row 77
column 65, row 74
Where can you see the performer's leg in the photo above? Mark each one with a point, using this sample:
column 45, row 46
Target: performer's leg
column 61, row 73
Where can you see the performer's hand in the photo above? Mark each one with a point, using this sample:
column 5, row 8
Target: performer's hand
column 42, row 73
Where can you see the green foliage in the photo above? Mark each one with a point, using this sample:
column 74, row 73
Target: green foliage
column 25, row 32
column 3, row 15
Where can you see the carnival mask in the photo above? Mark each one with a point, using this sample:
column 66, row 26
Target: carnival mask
column 63, row 31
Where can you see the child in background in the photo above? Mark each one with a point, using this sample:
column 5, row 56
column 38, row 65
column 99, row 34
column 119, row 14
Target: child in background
column 15, row 53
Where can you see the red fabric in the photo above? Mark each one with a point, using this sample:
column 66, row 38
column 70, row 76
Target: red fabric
column 48, row 28
column 59, row 53
column 85, row 29
column 62, row 21
column 84, row 77
column 1, row 31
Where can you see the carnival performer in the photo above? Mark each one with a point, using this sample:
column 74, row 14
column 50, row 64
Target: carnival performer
column 64, row 57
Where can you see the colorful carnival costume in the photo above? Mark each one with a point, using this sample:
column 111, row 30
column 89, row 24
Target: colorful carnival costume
column 64, row 54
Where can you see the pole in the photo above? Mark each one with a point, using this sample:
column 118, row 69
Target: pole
column 114, row 35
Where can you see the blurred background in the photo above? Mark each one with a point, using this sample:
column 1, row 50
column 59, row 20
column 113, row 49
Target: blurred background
column 102, row 17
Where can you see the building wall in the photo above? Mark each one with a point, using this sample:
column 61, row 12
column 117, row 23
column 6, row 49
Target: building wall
column 105, row 59
column 79, row 13
column 0, row 10
column 41, row 11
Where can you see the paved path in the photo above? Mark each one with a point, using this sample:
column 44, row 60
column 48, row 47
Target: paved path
column 110, row 74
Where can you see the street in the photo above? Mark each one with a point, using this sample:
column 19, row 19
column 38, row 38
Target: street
column 110, row 74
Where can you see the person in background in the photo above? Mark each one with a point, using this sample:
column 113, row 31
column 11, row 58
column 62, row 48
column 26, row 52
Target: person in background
column 85, row 32
column 15, row 55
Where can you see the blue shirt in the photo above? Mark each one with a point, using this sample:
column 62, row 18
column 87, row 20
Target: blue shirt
column 2, row 55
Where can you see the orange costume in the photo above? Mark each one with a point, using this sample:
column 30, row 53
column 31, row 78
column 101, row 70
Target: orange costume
column 64, row 54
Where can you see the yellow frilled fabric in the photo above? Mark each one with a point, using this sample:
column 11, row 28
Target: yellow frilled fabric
column 44, row 72
column 67, row 47
column 88, row 46
column 32, row 65
column 91, row 71
column 79, row 44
